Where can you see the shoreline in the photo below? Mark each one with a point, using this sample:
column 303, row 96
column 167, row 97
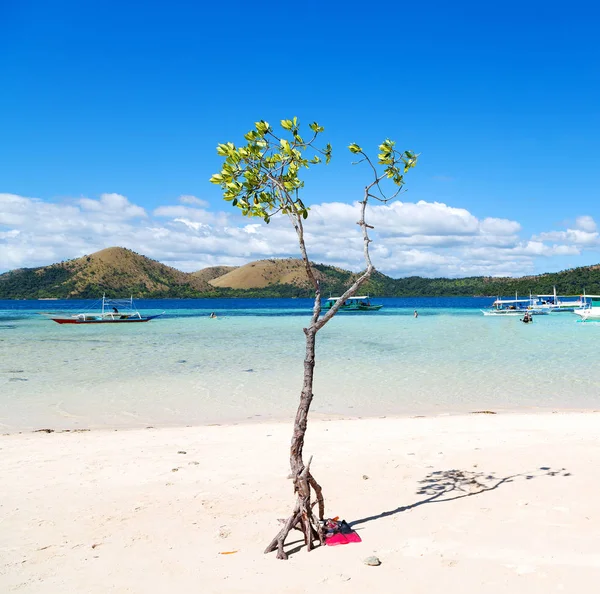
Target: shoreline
column 504, row 501
column 313, row 417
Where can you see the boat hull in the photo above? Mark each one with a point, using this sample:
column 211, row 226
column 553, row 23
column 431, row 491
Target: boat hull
column 509, row 313
column 587, row 314
column 360, row 308
column 76, row 321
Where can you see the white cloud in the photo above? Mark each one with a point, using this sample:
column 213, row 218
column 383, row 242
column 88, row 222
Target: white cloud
column 583, row 235
column 400, row 218
column 576, row 237
column 14, row 209
column 9, row 234
column 422, row 238
column 114, row 206
column 188, row 212
column 195, row 225
column 194, row 201
column 499, row 226
column 585, row 223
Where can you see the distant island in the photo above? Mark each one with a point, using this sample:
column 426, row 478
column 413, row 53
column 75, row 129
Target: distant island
column 121, row 272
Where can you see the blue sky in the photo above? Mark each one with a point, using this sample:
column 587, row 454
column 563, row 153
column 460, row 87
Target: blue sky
column 118, row 107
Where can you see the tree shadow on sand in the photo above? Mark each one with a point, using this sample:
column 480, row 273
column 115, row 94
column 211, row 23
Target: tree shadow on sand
column 449, row 485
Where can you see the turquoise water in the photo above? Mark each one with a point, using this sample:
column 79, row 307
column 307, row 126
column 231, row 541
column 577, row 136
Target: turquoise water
column 185, row 368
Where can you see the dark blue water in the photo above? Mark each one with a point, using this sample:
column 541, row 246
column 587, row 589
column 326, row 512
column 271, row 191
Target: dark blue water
column 14, row 309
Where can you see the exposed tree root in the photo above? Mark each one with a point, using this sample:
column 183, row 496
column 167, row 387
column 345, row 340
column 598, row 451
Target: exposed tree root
column 303, row 516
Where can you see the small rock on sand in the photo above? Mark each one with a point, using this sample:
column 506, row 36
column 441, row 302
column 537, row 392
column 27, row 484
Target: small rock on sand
column 374, row 561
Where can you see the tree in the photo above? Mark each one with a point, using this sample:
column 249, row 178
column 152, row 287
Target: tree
column 262, row 179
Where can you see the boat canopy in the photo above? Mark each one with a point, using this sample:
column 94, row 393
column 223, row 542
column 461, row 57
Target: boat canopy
column 108, row 303
column 348, row 298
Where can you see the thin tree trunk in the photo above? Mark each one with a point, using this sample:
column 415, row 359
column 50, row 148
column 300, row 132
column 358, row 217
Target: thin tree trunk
column 303, row 516
column 303, row 513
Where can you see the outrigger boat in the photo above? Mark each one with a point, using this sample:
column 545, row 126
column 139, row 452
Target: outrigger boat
column 113, row 311
column 514, row 307
column 591, row 310
column 555, row 303
column 353, row 304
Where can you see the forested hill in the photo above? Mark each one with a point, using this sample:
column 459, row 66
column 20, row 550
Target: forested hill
column 567, row 282
column 119, row 272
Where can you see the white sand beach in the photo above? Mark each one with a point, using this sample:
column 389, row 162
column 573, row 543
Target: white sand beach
column 509, row 504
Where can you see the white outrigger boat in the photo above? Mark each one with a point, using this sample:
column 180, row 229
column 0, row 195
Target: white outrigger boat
column 113, row 311
column 591, row 310
column 553, row 303
column 514, row 307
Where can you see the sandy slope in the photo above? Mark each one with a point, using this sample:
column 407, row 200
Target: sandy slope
column 262, row 273
column 124, row 511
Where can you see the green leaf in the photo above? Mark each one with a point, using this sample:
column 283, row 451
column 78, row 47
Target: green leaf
column 262, row 176
column 234, row 187
column 285, row 146
column 262, row 127
column 354, row 148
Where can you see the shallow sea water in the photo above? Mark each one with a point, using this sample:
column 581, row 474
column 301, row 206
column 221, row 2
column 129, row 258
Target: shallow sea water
column 185, row 368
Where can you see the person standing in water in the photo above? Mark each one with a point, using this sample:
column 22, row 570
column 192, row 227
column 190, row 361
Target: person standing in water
column 416, row 314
